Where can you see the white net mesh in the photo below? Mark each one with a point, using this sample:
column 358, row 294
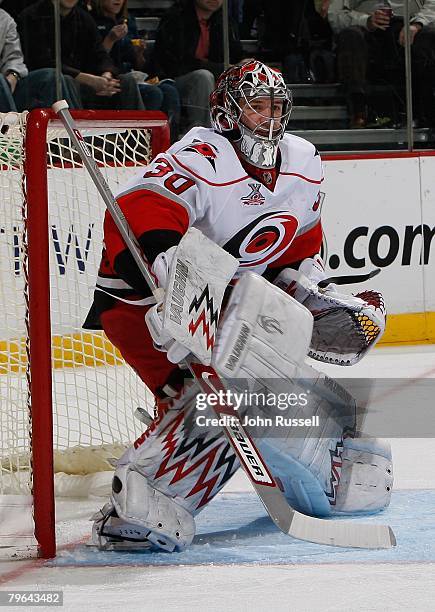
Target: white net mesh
column 94, row 392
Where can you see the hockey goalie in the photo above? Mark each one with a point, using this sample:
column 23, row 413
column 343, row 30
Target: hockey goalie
column 229, row 220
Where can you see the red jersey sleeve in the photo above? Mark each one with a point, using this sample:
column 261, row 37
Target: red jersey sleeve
column 150, row 216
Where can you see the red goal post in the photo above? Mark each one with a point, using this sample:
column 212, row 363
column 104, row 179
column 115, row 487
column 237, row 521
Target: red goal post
column 51, row 371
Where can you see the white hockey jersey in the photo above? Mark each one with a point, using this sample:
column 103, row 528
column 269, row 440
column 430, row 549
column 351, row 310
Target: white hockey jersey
column 200, row 181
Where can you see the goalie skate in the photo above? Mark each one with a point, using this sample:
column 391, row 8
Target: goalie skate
column 109, row 532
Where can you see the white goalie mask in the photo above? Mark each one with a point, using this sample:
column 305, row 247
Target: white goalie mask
column 251, row 105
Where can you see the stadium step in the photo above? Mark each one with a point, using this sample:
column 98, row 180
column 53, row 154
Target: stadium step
column 250, row 46
column 318, row 113
column 150, row 7
column 147, row 24
column 346, row 141
column 311, row 91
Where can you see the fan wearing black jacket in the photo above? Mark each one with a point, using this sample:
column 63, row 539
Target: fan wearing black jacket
column 189, row 49
column 91, row 74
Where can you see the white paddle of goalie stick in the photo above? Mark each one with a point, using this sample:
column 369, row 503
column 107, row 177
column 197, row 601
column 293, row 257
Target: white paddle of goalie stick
column 289, row 520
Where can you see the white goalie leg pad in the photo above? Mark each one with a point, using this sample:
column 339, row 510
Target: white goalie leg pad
column 170, row 473
column 198, row 276
column 304, row 448
column 264, row 339
column 323, row 469
column 265, row 333
column 168, row 524
column 366, row 479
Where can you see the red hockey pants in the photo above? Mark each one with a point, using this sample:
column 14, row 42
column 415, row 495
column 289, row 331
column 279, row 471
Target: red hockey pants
column 125, row 327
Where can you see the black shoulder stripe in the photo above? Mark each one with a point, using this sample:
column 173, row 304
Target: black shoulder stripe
column 152, row 242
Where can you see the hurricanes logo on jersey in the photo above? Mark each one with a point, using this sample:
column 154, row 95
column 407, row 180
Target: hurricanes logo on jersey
column 264, row 239
column 255, row 198
column 205, row 149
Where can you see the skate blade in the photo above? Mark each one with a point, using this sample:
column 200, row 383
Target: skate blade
column 121, row 546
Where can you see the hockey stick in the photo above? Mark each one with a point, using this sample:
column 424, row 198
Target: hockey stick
column 289, row 520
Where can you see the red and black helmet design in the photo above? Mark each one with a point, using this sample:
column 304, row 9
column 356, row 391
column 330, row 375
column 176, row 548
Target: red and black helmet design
column 246, row 81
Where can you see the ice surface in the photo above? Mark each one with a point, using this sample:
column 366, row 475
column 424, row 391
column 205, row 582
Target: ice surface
column 240, row 561
column 236, row 529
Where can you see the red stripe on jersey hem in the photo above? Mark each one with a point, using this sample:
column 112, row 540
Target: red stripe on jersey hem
column 304, row 245
column 305, row 178
column 201, row 178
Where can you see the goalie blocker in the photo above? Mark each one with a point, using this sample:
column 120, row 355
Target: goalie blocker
column 177, row 466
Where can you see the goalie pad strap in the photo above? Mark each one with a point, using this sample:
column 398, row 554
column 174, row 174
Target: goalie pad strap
column 366, row 477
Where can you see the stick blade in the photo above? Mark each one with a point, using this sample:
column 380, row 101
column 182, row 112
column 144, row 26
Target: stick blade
column 346, row 534
column 331, row 532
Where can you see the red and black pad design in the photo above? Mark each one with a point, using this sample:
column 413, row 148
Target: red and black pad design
column 205, row 317
column 241, row 441
column 374, row 298
column 193, row 462
column 211, row 458
column 337, row 464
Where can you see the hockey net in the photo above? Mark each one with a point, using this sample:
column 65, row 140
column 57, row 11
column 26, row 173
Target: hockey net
column 64, row 391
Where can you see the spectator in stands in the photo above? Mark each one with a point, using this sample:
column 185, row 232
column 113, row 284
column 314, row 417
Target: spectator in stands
column 14, row 7
column 235, row 11
column 120, row 38
column 189, row 49
column 92, row 77
column 252, row 9
column 370, row 40
column 20, row 89
column 297, row 34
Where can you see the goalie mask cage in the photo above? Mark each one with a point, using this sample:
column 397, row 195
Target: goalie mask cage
column 66, row 397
